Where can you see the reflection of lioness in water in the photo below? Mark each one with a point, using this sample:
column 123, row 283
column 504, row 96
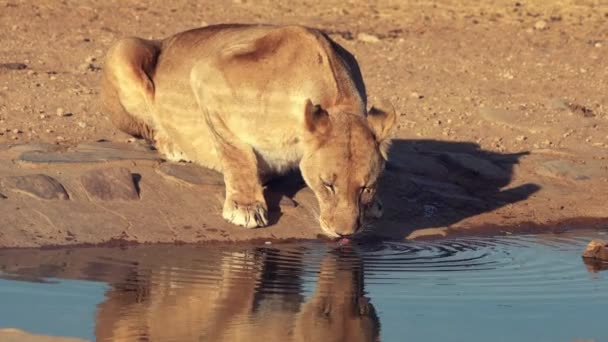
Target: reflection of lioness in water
column 254, row 296
column 253, row 101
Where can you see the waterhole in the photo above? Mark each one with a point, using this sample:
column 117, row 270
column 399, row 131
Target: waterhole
column 520, row 288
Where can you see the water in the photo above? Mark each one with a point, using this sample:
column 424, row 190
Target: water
column 526, row 288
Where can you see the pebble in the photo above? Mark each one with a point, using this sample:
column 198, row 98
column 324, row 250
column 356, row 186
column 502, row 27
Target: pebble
column 367, row 38
column 82, row 124
column 31, row 72
column 416, row 95
column 42, row 116
column 17, row 131
column 48, row 130
column 60, row 111
column 598, row 45
column 541, row 25
column 521, row 138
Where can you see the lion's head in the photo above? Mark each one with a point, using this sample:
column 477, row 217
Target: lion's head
column 343, row 160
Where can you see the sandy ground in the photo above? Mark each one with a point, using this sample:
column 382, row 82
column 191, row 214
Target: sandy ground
column 519, row 84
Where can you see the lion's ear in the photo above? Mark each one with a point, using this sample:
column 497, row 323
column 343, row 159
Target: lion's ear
column 381, row 120
column 316, row 119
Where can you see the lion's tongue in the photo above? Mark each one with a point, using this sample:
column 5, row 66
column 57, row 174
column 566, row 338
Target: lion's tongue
column 344, row 241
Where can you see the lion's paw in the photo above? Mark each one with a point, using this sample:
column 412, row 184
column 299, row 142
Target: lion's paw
column 246, row 215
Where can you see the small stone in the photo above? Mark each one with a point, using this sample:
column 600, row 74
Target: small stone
column 59, row 138
column 38, row 185
column 17, row 131
column 31, row 72
column 60, row 111
column 115, row 183
column 90, row 59
column 367, row 38
column 598, row 45
column 268, row 243
column 42, row 116
column 541, row 25
column 82, row 124
column 416, row 95
column 48, row 130
column 521, row 138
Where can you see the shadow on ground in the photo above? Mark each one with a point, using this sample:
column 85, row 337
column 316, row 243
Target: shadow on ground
column 431, row 183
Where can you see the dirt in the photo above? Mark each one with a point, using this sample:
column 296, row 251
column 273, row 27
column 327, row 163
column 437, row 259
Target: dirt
column 502, row 113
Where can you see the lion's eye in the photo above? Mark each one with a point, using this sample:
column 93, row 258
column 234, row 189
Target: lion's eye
column 329, row 186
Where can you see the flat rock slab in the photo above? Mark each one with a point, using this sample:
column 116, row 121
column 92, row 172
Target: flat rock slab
column 565, row 169
column 191, row 174
column 114, row 183
column 418, row 164
column 37, row 185
column 483, row 167
column 92, row 153
column 35, row 147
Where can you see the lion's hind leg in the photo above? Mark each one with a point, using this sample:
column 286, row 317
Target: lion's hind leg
column 127, row 90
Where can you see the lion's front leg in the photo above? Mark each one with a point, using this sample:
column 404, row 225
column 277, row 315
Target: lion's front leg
column 245, row 204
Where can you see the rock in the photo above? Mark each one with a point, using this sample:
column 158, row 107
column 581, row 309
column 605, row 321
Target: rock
column 114, row 183
column 483, row 167
column 416, row 95
column 93, row 153
column 509, row 118
column 191, row 173
column 559, row 104
column 417, row 164
column 443, row 189
column 541, row 25
column 596, row 249
column 367, row 38
column 34, row 147
column 38, row 185
column 13, row 66
column 2, row 196
column 564, row 169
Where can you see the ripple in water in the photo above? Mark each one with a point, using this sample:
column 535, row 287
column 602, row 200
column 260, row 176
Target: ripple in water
column 319, row 292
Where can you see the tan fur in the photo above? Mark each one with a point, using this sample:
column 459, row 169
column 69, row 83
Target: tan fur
column 234, row 305
column 254, row 101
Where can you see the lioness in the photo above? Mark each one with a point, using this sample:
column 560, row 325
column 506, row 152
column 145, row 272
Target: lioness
column 255, row 101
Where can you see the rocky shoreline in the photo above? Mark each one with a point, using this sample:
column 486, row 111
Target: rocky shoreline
column 119, row 193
